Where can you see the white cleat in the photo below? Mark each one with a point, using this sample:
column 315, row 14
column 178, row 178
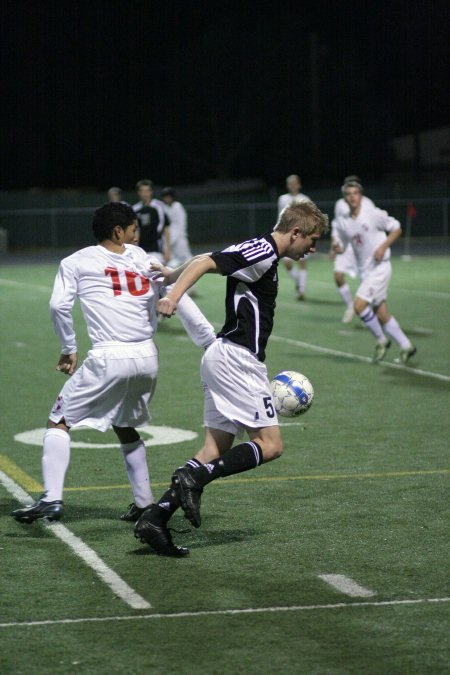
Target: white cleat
column 348, row 315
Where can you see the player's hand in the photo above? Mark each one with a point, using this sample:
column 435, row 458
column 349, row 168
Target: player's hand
column 379, row 253
column 167, row 307
column 67, row 363
column 159, row 271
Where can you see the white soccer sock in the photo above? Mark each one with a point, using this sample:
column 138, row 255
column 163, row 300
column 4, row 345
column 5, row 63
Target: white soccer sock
column 302, row 279
column 55, row 460
column 393, row 329
column 135, row 458
column 293, row 273
column 369, row 317
column 346, row 295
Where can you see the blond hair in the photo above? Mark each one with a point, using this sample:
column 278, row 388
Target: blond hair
column 305, row 215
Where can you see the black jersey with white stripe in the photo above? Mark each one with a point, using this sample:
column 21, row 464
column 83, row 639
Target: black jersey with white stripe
column 252, row 286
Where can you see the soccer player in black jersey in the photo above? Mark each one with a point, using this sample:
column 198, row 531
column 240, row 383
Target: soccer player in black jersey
column 154, row 231
column 237, row 390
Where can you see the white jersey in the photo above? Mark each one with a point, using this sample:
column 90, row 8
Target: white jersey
column 118, row 298
column 178, row 221
column 365, row 234
column 286, row 199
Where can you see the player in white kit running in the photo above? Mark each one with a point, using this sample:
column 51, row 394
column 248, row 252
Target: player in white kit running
column 345, row 263
column 295, row 195
column 115, row 383
column 364, row 229
column 237, row 390
column 180, row 250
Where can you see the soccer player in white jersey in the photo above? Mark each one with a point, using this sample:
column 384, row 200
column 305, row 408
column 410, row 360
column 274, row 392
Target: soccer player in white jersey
column 235, row 382
column 364, row 229
column 294, row 194
column 345, row 263
column 114, row 385
column 180, row 250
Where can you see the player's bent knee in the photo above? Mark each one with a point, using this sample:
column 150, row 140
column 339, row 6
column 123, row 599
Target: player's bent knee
column 359, row 305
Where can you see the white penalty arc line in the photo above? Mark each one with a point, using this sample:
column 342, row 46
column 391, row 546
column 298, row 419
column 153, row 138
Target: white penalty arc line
column 358, row 357
column 226, row 612
column 118, row 586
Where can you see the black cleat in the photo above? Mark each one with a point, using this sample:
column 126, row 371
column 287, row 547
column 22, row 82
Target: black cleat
column 150, row 530
column 189, row 492
column 134, row 513
column 40, row 509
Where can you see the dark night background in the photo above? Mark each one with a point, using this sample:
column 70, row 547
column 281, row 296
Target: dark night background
column 99, row 93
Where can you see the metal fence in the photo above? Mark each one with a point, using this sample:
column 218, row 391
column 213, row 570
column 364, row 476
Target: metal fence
column 52, row 228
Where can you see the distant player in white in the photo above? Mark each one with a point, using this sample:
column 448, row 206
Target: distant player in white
column 294, row 194
column 180, row 250
column 345, row 263
column 237, row 390
column 364, row 229
column 115, row 383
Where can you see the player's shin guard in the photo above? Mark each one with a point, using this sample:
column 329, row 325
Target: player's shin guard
column 241, row 458
column 369, row 318
column 55, row 461
column 135, row 459
column 392, row 328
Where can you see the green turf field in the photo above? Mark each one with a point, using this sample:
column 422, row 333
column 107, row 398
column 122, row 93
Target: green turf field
column 361, row 491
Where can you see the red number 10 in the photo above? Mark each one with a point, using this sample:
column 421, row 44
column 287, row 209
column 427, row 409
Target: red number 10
column 131, row 282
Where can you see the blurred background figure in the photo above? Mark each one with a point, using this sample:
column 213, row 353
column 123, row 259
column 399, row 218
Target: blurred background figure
column 294, row 194
column 180, row 251
column 345, row 263
column 154, row 236
column 114, row 194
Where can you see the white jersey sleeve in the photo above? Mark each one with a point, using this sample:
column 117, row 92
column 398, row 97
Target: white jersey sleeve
column 195, row 323
column 385, row 222
column 61, row 304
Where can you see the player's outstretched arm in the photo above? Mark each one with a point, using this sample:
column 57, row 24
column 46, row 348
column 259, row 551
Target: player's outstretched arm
column 67, row 363
column 196, row 268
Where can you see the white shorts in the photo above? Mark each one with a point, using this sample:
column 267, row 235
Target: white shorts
column 374, row 286
column 237, row 389
column 113, row 386
column 345, row 263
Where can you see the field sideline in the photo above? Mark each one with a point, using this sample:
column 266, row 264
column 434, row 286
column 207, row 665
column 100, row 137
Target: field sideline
column 333, row 559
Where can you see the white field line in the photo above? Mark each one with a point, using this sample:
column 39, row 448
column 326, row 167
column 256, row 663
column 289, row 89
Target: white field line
column 23, row 284
column 225, row 612
column 118, row 586
column 358, row 357
column 346, row 585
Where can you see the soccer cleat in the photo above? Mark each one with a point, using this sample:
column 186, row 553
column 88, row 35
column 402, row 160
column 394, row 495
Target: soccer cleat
column 189, row 492
column 40, row 509
column 150, row 530
column 348, row 315
column 381, row 350
column 406, row 354
column 134, row 513
column 300, row 296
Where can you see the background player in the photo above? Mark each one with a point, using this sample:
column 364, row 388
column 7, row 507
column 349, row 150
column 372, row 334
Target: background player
column 364, row 228
column 237, row 390
column 116, row 381
column 294, row 194
column 345, row 263
column 154, row 235
column 179, row 245
column 114, row 194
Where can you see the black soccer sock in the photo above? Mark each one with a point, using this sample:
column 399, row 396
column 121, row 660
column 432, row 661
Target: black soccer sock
column 169, row 502
column 242, row 457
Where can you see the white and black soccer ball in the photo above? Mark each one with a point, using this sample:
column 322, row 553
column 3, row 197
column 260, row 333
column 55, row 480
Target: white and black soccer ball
column 292, row 393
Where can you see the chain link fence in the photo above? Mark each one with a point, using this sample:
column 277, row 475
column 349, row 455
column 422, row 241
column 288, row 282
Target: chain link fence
column 54, row 228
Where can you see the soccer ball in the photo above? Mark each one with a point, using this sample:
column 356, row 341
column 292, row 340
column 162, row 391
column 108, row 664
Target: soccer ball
column 292, row 393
